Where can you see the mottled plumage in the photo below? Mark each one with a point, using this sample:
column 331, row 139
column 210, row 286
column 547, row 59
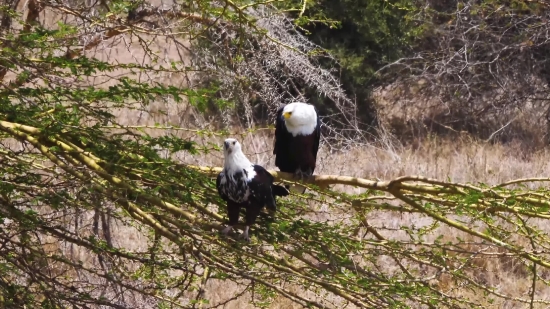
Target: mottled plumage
column 297, row 135
column 243, row 184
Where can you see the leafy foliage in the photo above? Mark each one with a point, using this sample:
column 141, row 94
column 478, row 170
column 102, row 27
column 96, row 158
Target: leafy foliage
column 96, row 210
column 368, row 34
column 363, row 36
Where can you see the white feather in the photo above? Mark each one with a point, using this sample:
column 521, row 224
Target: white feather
column 303, row 118
column 236, row 161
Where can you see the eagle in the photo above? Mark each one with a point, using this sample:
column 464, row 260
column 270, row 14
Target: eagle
column 243, row 184
column 297, row 135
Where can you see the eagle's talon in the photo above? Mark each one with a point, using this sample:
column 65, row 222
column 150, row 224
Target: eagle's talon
column 244, row 236
column 302, row 175
column 298, row 176
column 226, row 230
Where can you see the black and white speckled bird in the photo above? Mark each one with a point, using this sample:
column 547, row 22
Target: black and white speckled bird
column 243, row 184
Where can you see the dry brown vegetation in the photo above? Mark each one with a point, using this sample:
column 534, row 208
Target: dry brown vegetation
column 462, row 160
column 481, row 67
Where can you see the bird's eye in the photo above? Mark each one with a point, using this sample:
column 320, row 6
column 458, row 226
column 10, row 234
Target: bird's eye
column 290, row 113
column 233, row 143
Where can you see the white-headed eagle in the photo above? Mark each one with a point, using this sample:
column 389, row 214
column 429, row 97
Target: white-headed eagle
column 243, row 184
column 297, row 135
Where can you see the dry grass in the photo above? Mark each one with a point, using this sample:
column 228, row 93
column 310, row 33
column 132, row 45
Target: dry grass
column 461, row 160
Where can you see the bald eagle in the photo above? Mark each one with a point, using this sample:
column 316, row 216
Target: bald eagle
column 297, row 135
column 243, row 184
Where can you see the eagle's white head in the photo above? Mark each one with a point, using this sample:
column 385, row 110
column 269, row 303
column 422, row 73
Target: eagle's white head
column 300, row 118
column 234, row 157
column 231, row 146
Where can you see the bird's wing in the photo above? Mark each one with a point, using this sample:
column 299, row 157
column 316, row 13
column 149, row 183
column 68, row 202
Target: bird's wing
column 317, row 134
column 219, row 186
column 260, row 187
column 280, row 130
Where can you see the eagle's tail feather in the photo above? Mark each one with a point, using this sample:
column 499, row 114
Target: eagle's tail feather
column 279, row 190
column 276, row 190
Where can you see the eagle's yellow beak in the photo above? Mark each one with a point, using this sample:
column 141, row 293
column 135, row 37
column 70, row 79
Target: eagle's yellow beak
column 287, row 115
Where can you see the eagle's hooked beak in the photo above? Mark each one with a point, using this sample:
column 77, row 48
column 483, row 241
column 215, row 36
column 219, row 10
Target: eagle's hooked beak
column 226, row 146
column 287, row 115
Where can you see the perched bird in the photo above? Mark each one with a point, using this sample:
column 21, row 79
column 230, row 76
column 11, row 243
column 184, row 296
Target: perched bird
column 243, row 184
column 297, row 135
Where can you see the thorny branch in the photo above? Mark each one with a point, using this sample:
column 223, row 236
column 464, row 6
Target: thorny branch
column 254, row 53
column 479, row 68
